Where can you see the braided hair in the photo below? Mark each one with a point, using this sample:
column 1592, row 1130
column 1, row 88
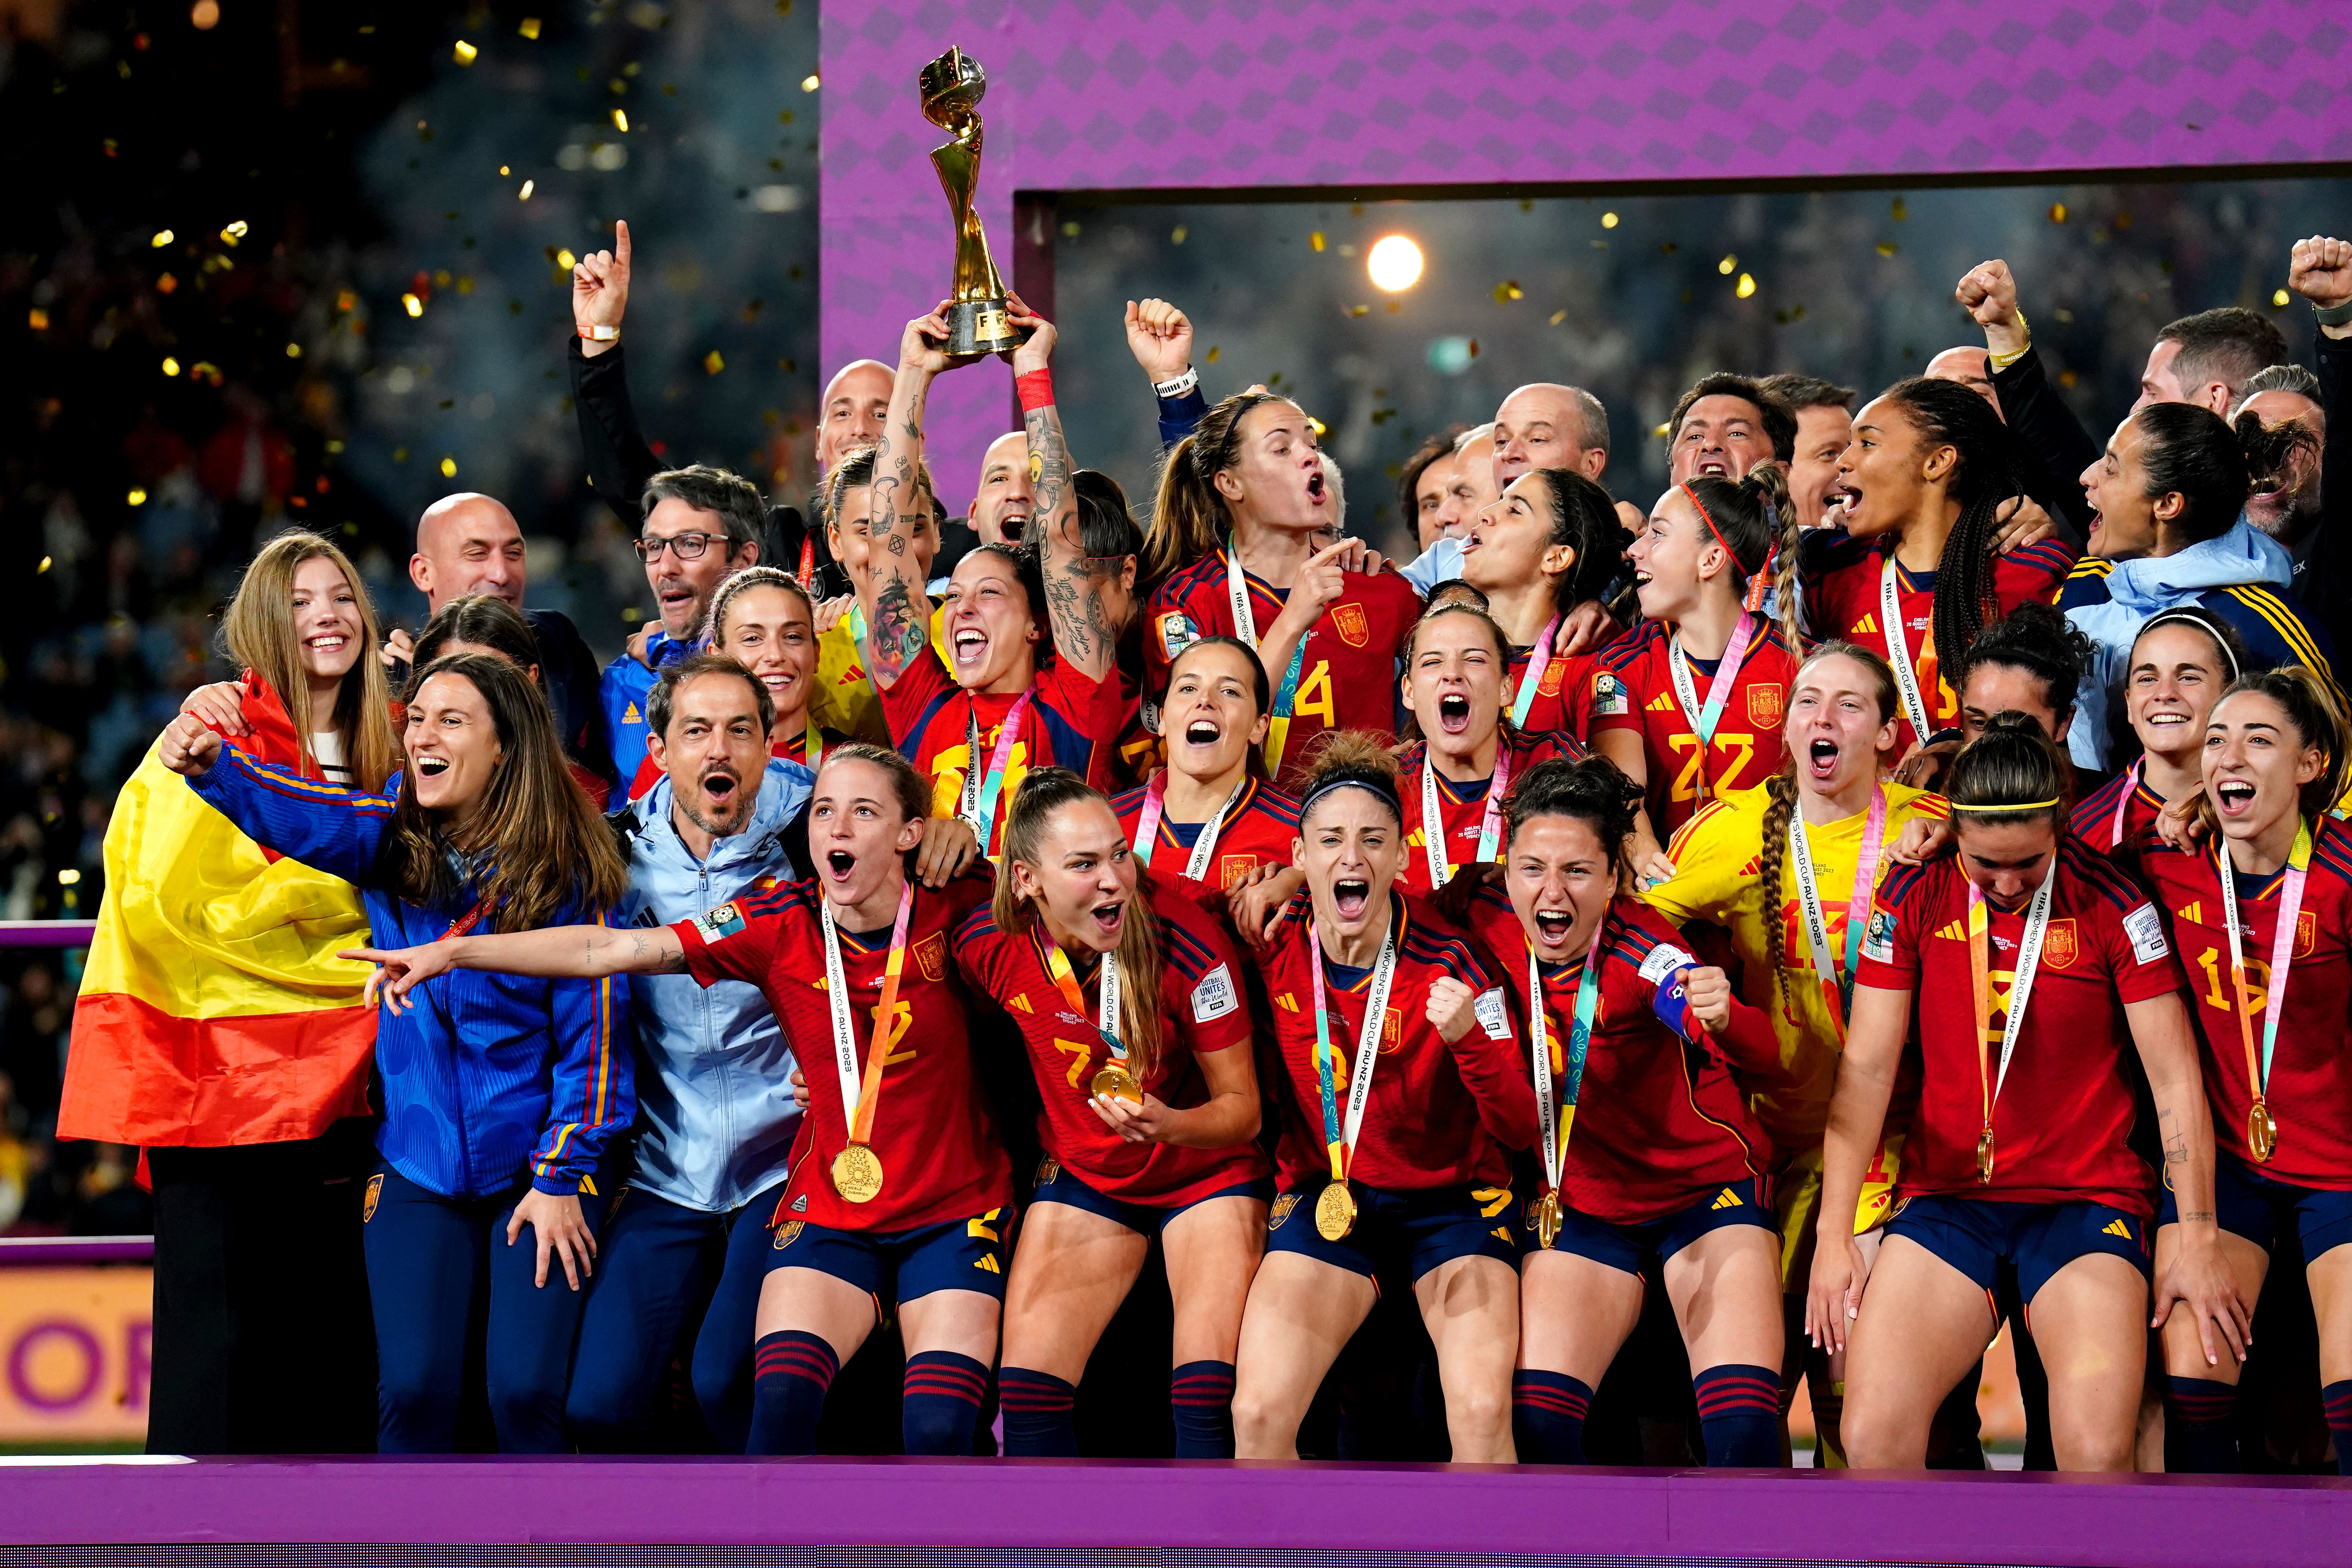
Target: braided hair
column 1755, row 522
column 1990, row 472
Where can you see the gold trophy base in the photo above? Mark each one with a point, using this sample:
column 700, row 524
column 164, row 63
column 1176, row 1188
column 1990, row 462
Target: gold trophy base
column 981, row 327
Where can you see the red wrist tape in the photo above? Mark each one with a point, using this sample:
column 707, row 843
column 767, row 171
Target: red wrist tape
column 1036, row 390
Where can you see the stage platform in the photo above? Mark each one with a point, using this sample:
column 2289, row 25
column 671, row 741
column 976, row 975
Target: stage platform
column 778, row 1511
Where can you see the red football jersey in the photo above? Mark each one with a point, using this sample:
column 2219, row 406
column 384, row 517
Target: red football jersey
column 1438, row 1115
column 1660, row 1123
column 1560, row 705
column 1633, row 690
column 1462, row 807
column 2310, row 1087
column 941, row 1160
column 2061, row 1120
column 1840, row 600
column 1259, row 831
column 1071, row 722
column 2118, row 818
column 1347, row 679
column 1202, row 1008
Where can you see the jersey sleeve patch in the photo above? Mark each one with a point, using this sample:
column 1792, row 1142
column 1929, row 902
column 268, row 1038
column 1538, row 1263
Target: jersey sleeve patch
column 1878, row 936
column 1491, row 1015
column 1214, row 997
column 1610, row 698
column 1177, row 633
column 1664, row 960
column 2146, row 934
column 718, row 924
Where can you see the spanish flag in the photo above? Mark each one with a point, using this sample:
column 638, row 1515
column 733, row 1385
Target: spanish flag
column 212, row 1009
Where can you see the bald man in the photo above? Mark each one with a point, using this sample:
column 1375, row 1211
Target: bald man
column 1545, row 425
column 854, row 401
column 1969, row 365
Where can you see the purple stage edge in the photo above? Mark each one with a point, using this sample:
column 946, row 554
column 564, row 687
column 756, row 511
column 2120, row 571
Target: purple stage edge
column 2133, row 1522
column 46, row 933
column 51, row 1251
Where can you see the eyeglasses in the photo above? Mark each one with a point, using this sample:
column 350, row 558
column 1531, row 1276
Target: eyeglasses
column 688, row 546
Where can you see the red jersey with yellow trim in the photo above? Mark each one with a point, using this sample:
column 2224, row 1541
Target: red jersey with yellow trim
column 1072, row 722
column 2310, row 1087
column 1202, row 1008
column 1633, row 690
column 2095, row 822
column 1257, row 832
column 1347, row 679
column 1561, row 704
column 1438, row 1115
column 1660, row 1122
column 2061, row 1122
column 1463, row 806
column 941, row 1160
column 1840, row 600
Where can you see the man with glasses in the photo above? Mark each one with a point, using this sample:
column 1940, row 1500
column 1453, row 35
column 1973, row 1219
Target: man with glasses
column 702, row 525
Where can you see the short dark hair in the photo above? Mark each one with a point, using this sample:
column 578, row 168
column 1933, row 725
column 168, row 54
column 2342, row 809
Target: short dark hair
column 1408, row 477
column 2226, row 345
column 732, row 497
column 663, row 698
column 2188, row 449
column 478, row 619
column 1801, row 392
column 2039, row 639
column 1779, row 420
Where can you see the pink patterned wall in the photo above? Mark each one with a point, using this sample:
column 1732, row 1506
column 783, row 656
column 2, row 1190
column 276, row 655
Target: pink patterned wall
column 1132, row 94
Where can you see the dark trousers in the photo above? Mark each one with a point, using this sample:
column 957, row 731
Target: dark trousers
column 449, row 1292
column 263, row 1342
column 669, row 1276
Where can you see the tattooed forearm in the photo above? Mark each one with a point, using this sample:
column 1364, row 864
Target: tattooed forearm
column 1082, row 632
column 2201, row 1217
column 2176, row 1142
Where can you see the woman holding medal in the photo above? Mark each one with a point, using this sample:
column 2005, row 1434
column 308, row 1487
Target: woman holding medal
column 1789, row 871
column 1663, row 1176
column 899, row 1186
column 1209, row 819
column 2181, row 663
column 1401, row 1054
column 1147, row 1119
column 1462, row 764
column 1711, row 550
column 1550, row 543
column 2065, row 960
column 2261, row 911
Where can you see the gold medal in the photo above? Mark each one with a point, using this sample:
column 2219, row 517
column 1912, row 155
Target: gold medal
column 2262, row 1133
column 1547, row 1219
column 1118, row 1083
column 1984, row 1159
column 858, row 1175
column 1335, row 1212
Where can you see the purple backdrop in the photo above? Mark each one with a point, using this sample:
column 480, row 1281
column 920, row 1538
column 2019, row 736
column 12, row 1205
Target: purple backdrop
column 1134, row 94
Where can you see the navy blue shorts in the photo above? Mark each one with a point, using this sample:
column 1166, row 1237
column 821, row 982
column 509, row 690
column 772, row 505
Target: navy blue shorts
column 1418, row 1230
column 899, row 1264
column 1056, row 1184
column 1973, row 1235
column 1631, row 1248
column 2247, row 1202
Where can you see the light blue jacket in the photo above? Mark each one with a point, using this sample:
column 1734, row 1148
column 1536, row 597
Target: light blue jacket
column 717, row 1119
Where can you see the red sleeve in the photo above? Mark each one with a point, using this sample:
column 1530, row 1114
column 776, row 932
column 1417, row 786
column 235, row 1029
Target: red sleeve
column 2138, row 952
column 729, row 943
column 1750, row 1047
column 1201, row 991
column 1891, row 943
column 1492, row 1066
column 1616, row 701
column 918, row 686
column 1095, row 709
column 1169, row 621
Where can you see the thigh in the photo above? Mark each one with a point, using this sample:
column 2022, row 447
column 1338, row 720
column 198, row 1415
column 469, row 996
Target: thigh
column 722, row 1346
column 1574, row 1314
column 532, row 1327
column 2330, row 1275
column 963, row 1321
column 1725, row 1292
column 813, row 1301
column 1922, row 1324
column 1213, row 1250
column 2184, row 1347
column 653, row 1269
column 1071, row 1268
column 2090, row 1325
column 1471, row 1307
column 424, row 1258
column 1300, row 1315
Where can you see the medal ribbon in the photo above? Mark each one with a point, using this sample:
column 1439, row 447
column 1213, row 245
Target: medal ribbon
column 2298, row 863
column 1538, row 660
column 1340, row 1139
column 2122, row 804
column 812, row 749
column 1704, row 720
column 1898, row 648
column 808, row 559
column 1277, row 729
column 1065, row 981
column 1556, row 1118
column 1204, row 846
column 858, row 1102
column 2029, row 958
column 979, row 806
column 1433, row 815
column 1837, row 977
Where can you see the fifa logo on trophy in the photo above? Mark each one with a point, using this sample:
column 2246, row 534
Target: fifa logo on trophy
column 978, row 324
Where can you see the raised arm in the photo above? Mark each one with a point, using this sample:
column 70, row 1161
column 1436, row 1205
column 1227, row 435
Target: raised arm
column 620, row 460
column 1161, row 338
column 1865, row 1081
column 896, row 603
column 328, row 829
column 2320, row 269
column 1083, row 635
column 551, row 952
column 2045, row 426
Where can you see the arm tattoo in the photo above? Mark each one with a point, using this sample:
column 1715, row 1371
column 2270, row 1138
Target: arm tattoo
column 2176, row 1142
column 1073, row 594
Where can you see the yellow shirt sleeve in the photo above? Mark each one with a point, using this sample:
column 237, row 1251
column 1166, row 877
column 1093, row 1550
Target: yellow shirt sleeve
column 844, row 701
column 1715, row 858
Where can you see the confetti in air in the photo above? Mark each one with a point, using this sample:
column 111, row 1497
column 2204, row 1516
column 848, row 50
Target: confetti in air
column 1608, row 220
column 527, row 187
column 1315, row 240
column 448, row 467
column 620, row 120
column 1747, row 285
column 2278, row 299
column 529, row 28
column 1728, row 265
column 162, row 237
column 711, row 363
column 412, row 304
column 171, row 366
column 464, row 52
column 2057, row 212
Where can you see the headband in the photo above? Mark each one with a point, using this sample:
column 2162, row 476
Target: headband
column 1379, row 787
column 1762, row 574
column 2021, row 805
column 2189, row 619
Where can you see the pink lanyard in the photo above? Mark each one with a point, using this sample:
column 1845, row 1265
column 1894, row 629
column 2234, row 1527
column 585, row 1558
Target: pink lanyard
column 2123, row 804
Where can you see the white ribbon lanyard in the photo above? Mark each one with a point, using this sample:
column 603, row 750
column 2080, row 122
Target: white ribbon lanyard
column 1433, row 814
column 1368, row 1035
column 2028, row 961
column 836, row 996
column 1828, row 967
column 2282, row 952
column 1237, row 594
column 1898, row 648
column 1204, row 847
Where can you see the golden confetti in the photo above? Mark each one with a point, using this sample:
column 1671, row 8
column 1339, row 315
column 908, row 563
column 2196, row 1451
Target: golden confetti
column 2057, row 212
column 441, row 278
column 1177, row 236
column 2278, row 301
column 527, row 187
column 464, row 52
column 293, row 351
column 1747, row 285
column 565, row 259
column 1315, row 240
column 504, row 171
column 162, row 237
column 44, row 564
column 2067, row 378
column 448, row 467
column 171, row 366
column 1900, row 210
column 1608, row 220
column 205, row 15
column 464, row 285
column 1214, row 352
column 1320, row 428
column 529, row 28
column 1507, row 290
column 620, row 120
column 1558, row 316
column 711, row 363
column 137, row 498
column 1728, row 265
column 1474, row 348
column 1360, row 310
column 69, row 877
column 1660, row 431
column 37, row 319
column 412, row 304
column 808, row 84
column 166, row 283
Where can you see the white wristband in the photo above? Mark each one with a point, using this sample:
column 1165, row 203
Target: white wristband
column 1177, row 386
column 600, row 334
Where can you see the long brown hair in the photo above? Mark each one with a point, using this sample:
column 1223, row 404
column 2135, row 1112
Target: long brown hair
column 536, row 843
column 1189, row 518
column 2315, row 710
column 1754, row 521
column 258, row 635
column 1991, row 472
column 1043, row 795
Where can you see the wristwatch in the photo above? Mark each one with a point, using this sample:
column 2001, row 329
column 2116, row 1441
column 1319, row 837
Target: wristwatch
column 1177, row 386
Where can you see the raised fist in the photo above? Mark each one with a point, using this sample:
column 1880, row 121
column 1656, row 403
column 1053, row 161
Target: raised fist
column 2320, row 269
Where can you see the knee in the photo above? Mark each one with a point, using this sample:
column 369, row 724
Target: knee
column 597, row 1409
column 523, row 1403
column 1874, row 1437
column 1486, row 1407
column 934, row 1431
column 1257, row 1427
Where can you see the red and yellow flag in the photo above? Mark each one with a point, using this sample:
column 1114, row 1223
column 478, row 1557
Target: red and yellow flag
column 213, row 1010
